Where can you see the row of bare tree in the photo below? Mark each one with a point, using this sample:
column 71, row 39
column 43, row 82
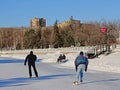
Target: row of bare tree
column 11, row 38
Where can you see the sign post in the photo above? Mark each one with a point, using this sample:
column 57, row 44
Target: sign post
column 104, row 30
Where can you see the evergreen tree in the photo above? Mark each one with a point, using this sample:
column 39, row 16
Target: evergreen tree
column 67, row 38
column 57, row 40
column 38, row 39
column 29, row 39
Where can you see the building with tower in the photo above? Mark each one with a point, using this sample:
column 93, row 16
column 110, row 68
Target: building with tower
column 36, row 23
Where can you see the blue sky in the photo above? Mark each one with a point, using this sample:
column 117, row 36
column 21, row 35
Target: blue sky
column 17, row 13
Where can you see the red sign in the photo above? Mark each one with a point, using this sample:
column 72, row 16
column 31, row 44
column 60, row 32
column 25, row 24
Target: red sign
column 103, row 29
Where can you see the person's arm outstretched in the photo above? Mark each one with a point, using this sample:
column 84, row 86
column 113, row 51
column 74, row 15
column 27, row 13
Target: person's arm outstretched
column 26, row 60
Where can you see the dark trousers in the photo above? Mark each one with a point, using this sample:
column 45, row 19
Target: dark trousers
column 35, row 71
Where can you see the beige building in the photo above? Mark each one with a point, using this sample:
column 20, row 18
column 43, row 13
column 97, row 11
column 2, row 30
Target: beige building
column 69, row 22
column 36, row 23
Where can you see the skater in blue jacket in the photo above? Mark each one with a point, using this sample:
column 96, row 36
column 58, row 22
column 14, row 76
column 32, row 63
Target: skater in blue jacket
column 81, row 63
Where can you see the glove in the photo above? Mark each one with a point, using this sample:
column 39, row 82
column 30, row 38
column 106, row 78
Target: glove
column 25, row 64
column 76, row 68
column 86, row 68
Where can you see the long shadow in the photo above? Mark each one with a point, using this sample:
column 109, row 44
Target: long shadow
column 25, row 81
column 13, row 82
column 11, row 61
column 53, row 76
column 5, row 61
column 99, row 81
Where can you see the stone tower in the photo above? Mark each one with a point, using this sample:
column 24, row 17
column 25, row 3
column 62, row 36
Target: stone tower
column 36, row 23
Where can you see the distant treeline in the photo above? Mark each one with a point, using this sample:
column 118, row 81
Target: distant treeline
column 53, row 36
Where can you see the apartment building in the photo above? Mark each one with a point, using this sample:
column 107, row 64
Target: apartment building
column 36, row 23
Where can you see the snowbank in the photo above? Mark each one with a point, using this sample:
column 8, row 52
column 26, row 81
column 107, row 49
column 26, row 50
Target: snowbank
column 109, row 63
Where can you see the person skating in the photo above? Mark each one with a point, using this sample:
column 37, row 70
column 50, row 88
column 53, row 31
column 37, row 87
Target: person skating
column 31, row 58
column 60, row 58
column 63, row 56
column 81, row 63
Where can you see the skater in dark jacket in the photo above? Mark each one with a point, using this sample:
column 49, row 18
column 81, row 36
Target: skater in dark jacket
column 81, row 63
column 31, row 58
column 60, row 58
column 64, row 57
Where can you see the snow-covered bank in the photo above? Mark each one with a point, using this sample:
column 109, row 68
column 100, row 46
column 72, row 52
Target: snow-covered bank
column 109, row 63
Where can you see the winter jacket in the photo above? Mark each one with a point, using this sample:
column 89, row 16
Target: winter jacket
column 31, row 59
column 81, row 60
